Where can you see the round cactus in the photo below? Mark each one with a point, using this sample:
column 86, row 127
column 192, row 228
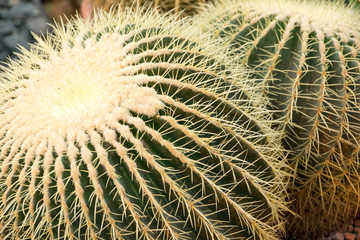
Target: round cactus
column 188, row 7
column 306, row 57
column 126, row 128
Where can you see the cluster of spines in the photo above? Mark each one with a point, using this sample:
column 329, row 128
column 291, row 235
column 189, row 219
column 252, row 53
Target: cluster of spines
column 180, row 157
column 310, row 70
column 186, row 7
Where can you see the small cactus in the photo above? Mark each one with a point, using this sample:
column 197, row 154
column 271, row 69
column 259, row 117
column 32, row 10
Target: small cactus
column 126, row 128
column 306, row 57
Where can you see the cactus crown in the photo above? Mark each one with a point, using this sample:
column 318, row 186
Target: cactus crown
column 330, row 18
column 125, row 128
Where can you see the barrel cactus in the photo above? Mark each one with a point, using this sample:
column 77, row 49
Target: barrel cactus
column 188, row 7
column 306, row 57
column 354, row 3
column 128, row 128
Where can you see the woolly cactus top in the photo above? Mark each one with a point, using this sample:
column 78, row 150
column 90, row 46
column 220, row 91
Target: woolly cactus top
column 324, row 17
column 126, row 128
column 328, row 17
column 75, row 90
column 86, row 74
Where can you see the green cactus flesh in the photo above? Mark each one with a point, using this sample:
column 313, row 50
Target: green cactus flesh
column 117, row 129
column 307, row 61
column 354, row 3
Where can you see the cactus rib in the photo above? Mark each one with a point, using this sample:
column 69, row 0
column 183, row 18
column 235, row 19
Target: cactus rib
column 305, row 57
column 117, row 129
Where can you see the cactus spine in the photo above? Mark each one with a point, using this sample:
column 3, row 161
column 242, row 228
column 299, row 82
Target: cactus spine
column 189, row 7
column 354, row 3
column 306, row 59
column 124, row 128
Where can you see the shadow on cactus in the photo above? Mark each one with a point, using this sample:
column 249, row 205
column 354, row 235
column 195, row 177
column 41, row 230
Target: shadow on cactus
column 306, row 59
column 125, row 128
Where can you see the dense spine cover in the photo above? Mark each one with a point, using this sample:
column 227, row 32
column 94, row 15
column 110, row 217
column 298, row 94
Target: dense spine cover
column 306, row 57
column 354, row 3
column 123, row 128
column 186, row 7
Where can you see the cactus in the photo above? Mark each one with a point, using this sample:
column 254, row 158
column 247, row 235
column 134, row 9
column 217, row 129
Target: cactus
column 189, row 7
column 129, row 128
column 355, row 4
column 306, row 59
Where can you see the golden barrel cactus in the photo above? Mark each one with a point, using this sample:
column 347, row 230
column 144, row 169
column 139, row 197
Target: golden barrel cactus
column 306, row 58
column 129, row 128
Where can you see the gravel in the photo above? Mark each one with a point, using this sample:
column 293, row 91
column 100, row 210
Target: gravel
column 18, row 19
column 346, row 231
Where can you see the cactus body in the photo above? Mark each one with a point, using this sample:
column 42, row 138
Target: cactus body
column 189, row 7
column 354, row 3
column 125, row 129
column 307, row 60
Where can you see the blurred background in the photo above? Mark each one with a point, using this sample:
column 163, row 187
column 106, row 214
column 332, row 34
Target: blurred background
column 19, row 18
